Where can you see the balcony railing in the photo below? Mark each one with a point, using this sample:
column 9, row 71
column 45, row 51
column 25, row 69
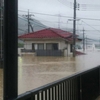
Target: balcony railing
column 82, row 86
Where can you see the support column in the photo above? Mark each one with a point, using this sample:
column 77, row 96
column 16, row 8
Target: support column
column 10, row 49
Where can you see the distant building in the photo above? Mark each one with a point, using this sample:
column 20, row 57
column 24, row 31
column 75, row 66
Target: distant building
column 48, row 42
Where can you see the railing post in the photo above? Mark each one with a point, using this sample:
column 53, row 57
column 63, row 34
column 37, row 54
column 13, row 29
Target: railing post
column 80, row 80
column 79, row 88
column 10, row 50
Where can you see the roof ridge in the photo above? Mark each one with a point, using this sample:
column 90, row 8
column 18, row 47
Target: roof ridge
column 58, row 33
column 36, row 31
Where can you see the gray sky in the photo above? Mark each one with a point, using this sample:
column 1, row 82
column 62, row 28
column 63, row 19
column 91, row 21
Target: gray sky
column 64, row 8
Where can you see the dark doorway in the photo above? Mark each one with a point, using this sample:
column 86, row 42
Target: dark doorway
column 55, row 46
column 71, row 47
column 33, row 46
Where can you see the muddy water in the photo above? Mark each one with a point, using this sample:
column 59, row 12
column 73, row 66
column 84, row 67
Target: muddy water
column 37, row 71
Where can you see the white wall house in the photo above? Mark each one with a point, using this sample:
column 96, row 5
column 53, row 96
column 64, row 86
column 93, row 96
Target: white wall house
column 49, row 44
column 48, row 40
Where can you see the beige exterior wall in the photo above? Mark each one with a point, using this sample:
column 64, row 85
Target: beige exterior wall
column 61, row 45
column 28, row 44
column 64, row 45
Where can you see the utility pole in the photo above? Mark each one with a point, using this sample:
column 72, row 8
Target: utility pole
column 31, row 27
column 83, row 41
column 86, row 42
column 28, row 16
column 28, row 22
column 74, row 30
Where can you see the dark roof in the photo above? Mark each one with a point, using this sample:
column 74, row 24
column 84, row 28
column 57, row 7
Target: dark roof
column 47, row 33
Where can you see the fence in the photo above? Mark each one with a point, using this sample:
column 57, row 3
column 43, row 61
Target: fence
column 27, row 50
column 49, row 53
column 82, row 86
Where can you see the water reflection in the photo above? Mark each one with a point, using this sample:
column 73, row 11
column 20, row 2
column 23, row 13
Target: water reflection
column 37, row 71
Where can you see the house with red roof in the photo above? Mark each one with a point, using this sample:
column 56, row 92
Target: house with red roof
column 48, row 42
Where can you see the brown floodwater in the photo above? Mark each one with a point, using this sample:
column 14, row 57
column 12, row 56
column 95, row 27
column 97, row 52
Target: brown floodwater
column 37, row 71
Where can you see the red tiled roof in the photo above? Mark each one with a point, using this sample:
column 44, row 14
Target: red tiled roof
column 47, row 33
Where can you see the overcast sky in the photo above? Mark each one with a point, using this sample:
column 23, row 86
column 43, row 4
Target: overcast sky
column 64, row 8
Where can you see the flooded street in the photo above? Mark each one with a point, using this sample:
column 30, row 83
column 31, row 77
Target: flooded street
column 37, row 71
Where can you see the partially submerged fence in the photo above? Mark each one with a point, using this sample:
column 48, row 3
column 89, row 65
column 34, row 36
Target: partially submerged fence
column 26, row 50
column 49, row 53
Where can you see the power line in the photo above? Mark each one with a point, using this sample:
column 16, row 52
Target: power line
column 62, row 16
column 91, row 26
column 45, row 14
column 76, row 30
column 51, row 21
column 85, row 7
column 32, row 22
column 69, row 30
column 21, row 30
column 82, row 7
column 62, row 22
column 27, row 16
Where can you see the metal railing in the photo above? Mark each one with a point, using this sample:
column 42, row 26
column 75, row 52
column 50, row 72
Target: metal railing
column 49, row 53
column 82, row 86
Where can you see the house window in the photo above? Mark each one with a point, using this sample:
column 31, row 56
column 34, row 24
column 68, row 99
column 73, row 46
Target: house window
column 49, row 46
column 53, row 46
column 33, row 46
column 40, row 46
column 71, row 48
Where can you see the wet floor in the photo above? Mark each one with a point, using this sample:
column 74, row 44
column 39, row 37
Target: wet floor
column 38, row 71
